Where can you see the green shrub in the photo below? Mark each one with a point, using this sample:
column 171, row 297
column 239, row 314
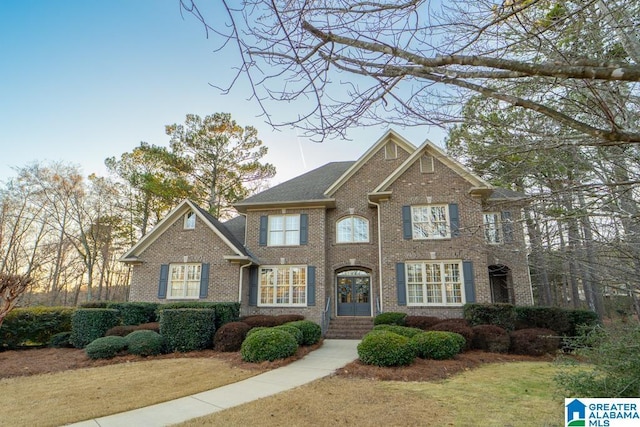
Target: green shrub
column 502, row 315
column 437, row 345
column 135, row 313
column 534, row 341
column 390, row 318
column 614, row 354
column 144, row 343
column 60, row 340
column 384, row 348
column 405, row 331
column 268, row 344
column 311, row 332
column 421, row 322
column 230, row 336
column 105, row 347
column 295, row 332
column 456, row 326
column 578, row 319
column 256, row 329
column 124, row 330
column 491, row 338
column 187, row 329
column 554, row 318
column 94, row 304
column 33, row 325
column 224, row 311
column 88, row 324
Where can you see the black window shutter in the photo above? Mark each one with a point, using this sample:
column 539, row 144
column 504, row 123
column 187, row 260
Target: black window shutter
column 454, row 219
column 407, row 232
column 304, row 229
column 253, row 286
column 204, row 281
column 507, row 226
column 264, row 224
column 164, row 279
column 311, row 285
column 401, row 284
column 469, row 285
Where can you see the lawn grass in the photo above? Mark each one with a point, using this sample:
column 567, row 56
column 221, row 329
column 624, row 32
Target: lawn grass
column 77, row 395
column 509, row 394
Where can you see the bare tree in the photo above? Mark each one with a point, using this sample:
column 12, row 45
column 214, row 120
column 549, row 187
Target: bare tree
column 409, row 62
column 12, row 286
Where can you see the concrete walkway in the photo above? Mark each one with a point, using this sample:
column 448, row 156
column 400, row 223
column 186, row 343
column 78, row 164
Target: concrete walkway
column 320, row 363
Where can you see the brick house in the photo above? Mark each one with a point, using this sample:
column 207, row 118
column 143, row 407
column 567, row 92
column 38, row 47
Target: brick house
column 400, row 229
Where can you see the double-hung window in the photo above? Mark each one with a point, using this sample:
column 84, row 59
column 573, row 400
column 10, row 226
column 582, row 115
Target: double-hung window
column 430, row 222
column 434, row 283
column 352, row 229
column 492, row 226
column 283, row 285
column 184, row 280
column 284, row 230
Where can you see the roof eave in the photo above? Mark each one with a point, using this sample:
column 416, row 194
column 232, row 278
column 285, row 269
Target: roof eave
column 379, row 196
column 318, row 203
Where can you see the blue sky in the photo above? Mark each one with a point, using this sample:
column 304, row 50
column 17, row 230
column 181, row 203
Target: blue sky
column 81, row 81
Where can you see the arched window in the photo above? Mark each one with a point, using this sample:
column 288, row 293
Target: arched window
column 352, row 229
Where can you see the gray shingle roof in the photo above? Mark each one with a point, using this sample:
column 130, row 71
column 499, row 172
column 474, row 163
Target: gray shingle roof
column 309, row 186
column 236, row 226
column 225, row 231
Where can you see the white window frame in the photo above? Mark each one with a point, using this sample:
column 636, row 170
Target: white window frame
column 287, row 230
column 390, row 151
column 427, row 229
column 182, row 292
column 189, row 220
column 434, row 283
column 492, row 224
column 287, row 293
column 351, row 220
column 427, row 164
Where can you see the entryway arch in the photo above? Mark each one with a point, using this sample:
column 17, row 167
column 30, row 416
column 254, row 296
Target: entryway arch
column 500, row 281
column 353, row 292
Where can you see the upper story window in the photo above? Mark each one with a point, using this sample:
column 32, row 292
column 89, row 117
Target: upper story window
column 390, row 151
column 426, row 164
column 491, row 221
column 190, row 221
column 283, row 285
column 430, row 222
column 184, row 280
column 284, row 230
column 352, row 229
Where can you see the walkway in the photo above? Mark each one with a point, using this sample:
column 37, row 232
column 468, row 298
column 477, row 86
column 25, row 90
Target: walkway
column 320, row 363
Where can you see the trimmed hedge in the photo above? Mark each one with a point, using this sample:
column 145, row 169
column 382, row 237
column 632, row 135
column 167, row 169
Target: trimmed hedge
column 61, row 340
column 311, row 332
column 144, row 343
column 187, row 329
column 405, row 331
column 105, row 347
column 534, row 341
column 295, row 332
column 438, row 345
column 554, row 318
column 88, row 324
column 502, row 315
column 421, row 322
column 390, row 318
column 385, row 348
column 268, row 344
column 124, row 330
column 262, row 321
column 34, row 325
column 455, row 325
column 491, row 338
column 135, row 313
column 230, row 336
column 225, row 312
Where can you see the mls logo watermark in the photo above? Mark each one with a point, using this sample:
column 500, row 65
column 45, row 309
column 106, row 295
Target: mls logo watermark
column 601, row 412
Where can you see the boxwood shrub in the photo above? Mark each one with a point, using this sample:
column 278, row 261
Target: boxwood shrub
column 105, row 347
column 187, row 329
column 390, row 318
column 405, row 331
column 311, row 331
column 437, row 345
column 88, row 324
column 135, row 313
column 385, row 348
column 230, row 336
column 224, row 311
column 61, row 340
column 454, row 325
column 295, row 332
column 554, row 318
column 144, row 343
column 34, row 325
column 502, row 315
column 268, row 344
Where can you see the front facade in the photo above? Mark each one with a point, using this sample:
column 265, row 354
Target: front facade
column 400, row 229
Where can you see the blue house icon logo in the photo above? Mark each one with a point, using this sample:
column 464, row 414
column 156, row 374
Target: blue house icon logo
column 576, row 413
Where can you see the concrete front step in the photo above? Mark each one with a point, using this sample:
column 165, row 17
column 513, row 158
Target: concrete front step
column 349, row 327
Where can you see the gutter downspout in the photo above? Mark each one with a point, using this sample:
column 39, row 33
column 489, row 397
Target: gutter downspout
column 377, row 205
column 240, row 282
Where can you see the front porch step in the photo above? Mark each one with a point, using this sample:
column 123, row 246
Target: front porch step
column 349, row 327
